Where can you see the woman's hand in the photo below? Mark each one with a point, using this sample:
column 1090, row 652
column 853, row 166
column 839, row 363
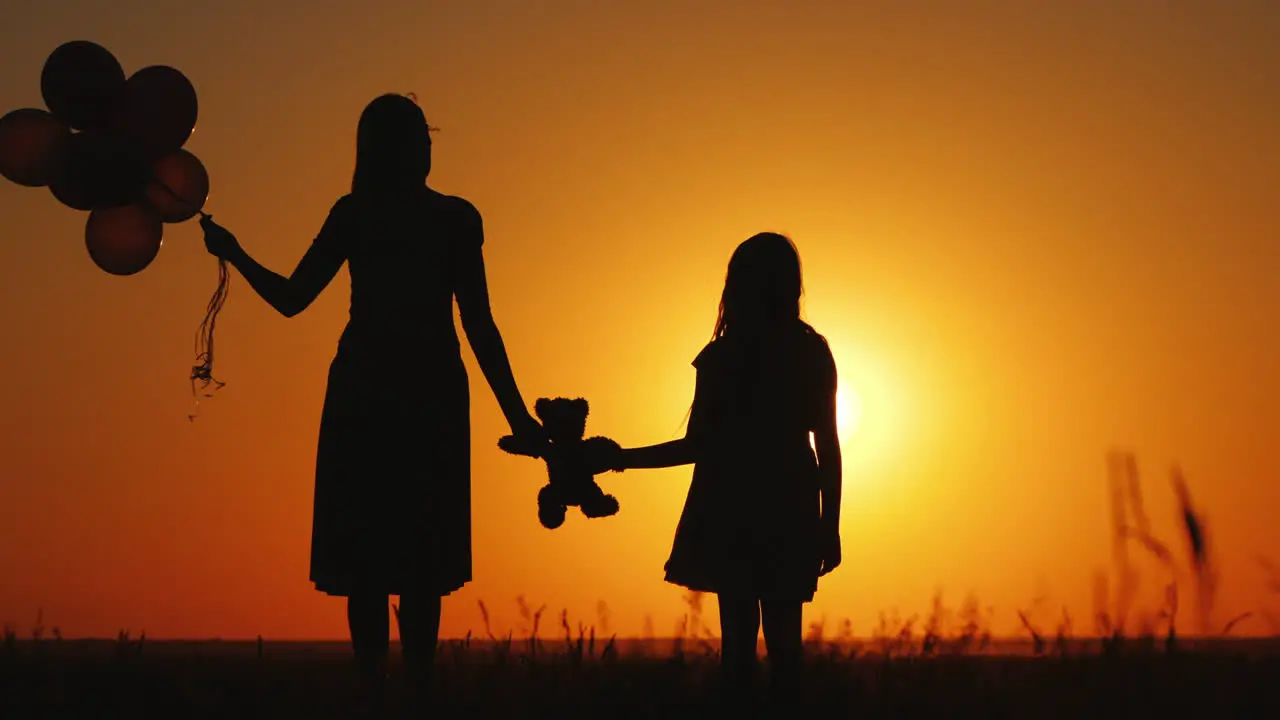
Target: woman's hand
column 218, row 240
column 529, row 430
column 829, row 551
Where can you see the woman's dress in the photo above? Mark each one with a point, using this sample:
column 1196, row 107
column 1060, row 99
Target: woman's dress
column 392, row 512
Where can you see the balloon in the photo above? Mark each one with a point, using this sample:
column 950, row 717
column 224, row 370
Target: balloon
column 102, row 170
column 179, row 186
column 33, row 146
column 80, row 82
column 124, row 240
column 159, row 109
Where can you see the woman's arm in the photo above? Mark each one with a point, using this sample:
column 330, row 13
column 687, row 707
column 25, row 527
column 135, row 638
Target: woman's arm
column 289, row 296
column 472, row 291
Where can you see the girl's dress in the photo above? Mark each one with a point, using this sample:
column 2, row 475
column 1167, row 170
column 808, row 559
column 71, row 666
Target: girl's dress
column 750, row 524
column 392, row 511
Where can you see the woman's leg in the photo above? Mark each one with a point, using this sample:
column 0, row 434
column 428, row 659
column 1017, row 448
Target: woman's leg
column 419, row 635
column 739, row 629
column 784, row 643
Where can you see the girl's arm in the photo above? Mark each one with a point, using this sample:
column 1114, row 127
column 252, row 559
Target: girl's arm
column 675, row 452
column 667, row 454
column 827, row 445
column 826, row 442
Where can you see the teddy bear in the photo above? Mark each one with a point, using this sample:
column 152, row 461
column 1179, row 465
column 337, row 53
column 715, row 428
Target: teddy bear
column 572, row 461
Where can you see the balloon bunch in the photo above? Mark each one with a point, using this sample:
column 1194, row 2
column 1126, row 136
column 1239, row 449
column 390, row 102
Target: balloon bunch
column 112, row 146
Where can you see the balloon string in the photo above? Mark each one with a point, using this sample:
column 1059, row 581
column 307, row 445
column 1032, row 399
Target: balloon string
column 202, row 372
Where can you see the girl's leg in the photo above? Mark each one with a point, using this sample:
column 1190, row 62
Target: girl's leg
column 367, row 616
column 785, row 645
column 739, row 628
column 419, row 636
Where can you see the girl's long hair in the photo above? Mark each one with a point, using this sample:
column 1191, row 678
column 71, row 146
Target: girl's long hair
column 762, row 288
column 762, row 292
column 393, row 146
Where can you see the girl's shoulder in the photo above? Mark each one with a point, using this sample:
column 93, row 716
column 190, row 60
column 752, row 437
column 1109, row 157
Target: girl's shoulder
column 805, row 342
column 815, row 341
column 817, row 355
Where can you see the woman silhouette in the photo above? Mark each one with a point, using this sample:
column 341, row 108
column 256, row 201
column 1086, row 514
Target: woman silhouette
column 762, row 519
column 392, row 513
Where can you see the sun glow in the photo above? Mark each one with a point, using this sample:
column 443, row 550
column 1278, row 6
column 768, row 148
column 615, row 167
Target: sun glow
column 871, row 409
column 848, row 412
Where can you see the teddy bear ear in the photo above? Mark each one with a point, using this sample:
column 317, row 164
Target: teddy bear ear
column 540, row 408
column 581, row 406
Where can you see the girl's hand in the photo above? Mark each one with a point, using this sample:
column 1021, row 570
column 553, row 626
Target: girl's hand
column 617, row 458
column 829, row 551
column 218, row 240
column 603, row 455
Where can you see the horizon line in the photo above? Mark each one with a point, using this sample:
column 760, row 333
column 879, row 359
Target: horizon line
column 524, row 639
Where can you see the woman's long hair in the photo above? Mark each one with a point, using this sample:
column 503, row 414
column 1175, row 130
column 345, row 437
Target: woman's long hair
column 393, row 146
column 762, row 288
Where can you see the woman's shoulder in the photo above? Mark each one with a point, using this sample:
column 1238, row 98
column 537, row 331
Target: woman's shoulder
column 451, row 206
column 344, row 204
column 709, row 353
column 456, row 205
column 341, row 215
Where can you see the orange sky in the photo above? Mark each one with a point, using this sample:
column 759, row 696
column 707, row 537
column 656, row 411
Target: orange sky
column 1030, row 231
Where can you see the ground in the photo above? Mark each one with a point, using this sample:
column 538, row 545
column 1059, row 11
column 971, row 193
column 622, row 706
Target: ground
column 517, row 679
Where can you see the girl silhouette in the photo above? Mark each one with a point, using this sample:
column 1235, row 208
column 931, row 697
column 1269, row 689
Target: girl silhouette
column 392, row 512
column 761, row 521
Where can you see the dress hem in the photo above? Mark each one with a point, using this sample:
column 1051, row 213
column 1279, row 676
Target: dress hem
column 804, row 597
column 333, row 591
